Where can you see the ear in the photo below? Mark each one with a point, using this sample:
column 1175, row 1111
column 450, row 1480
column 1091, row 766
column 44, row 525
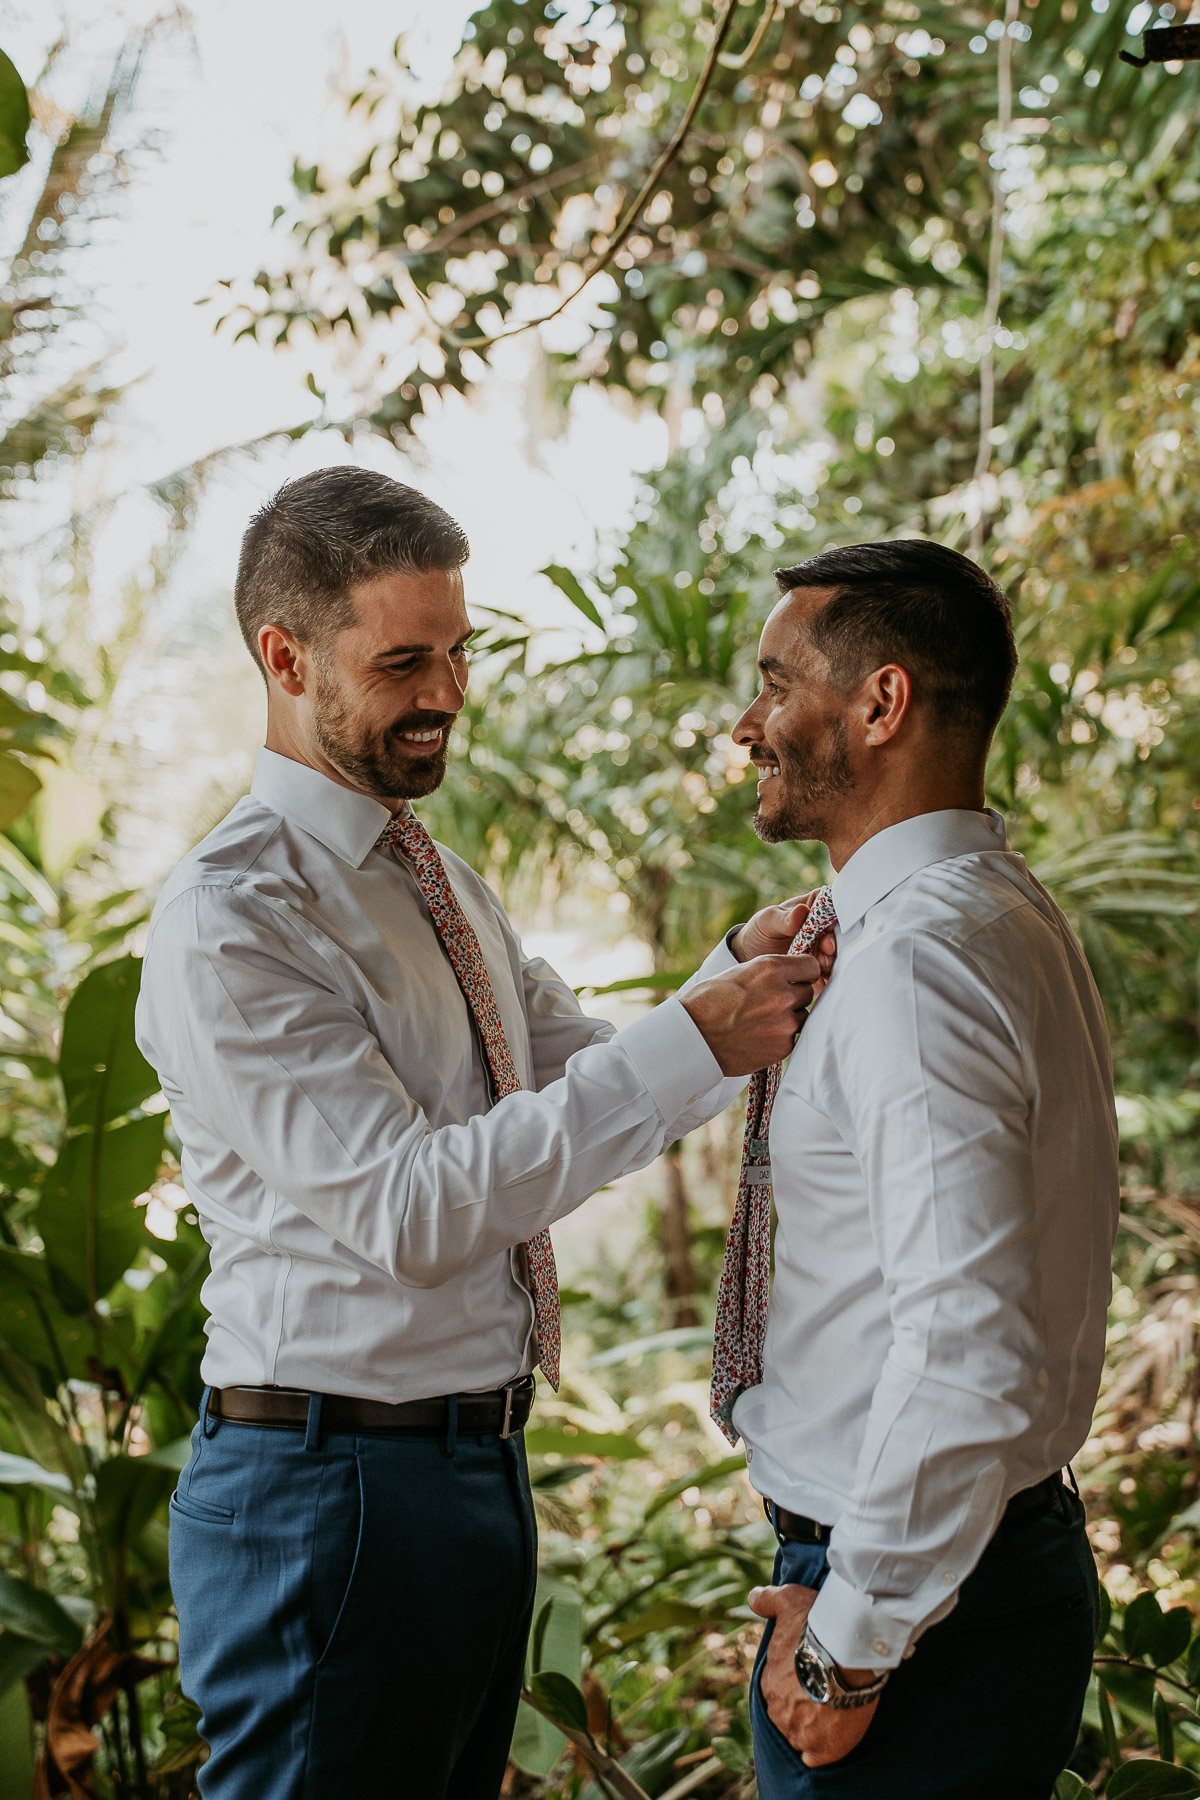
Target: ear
column 283, row 659
column 887, row 698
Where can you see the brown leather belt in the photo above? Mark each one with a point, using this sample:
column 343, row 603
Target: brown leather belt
column 796, row 1529
column 504, row 1411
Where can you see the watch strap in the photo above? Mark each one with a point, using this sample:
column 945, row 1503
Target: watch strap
column 837, row 1696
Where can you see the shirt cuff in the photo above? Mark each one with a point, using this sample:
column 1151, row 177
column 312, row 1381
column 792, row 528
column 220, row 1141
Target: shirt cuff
column 670, row 1054
column 858, row 1632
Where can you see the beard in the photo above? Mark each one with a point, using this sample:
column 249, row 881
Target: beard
column 808, row 780
column 370, row 759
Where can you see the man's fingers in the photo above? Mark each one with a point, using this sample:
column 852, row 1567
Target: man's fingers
column 797, row 971
column 765, row 1601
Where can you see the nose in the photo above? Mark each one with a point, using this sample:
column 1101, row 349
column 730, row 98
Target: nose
column 444, row 689
column 748, row 730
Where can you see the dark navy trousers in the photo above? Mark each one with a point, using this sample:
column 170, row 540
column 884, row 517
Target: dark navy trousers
column 989, row 1704
column 353, row 1611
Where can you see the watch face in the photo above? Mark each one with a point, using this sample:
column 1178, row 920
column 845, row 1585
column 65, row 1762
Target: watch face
column 814, row 1677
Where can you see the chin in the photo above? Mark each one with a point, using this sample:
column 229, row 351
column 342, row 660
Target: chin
column 419, row 777
column 782, row 826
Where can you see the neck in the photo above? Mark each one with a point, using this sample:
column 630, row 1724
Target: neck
column 285, row 740
column 851, row 830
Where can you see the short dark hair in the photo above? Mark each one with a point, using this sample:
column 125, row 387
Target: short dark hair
column 306, row 548
column 921, row 605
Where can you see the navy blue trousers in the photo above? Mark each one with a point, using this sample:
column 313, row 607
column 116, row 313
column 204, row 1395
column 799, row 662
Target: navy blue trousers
column 989, row 1704
column 353, row 1611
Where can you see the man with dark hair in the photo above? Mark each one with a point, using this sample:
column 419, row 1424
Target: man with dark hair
column 942, row 1148
column 383, row 1103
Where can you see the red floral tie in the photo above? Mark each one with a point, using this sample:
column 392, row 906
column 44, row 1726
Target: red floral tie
column 406, row 834
column 746, row 1272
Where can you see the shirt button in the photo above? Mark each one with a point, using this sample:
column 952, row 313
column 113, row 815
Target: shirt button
column 948, row 1578
column 881, row 1647
column 749, row 1457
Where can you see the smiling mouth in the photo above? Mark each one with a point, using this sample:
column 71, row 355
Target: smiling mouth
column 421, row 740
column 766, row 771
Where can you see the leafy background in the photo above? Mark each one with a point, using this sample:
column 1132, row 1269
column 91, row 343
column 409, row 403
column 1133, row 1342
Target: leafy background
column 912, row 268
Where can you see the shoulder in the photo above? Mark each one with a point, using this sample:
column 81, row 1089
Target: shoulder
column 966, row 935
column 226, row 856
column 237, row 885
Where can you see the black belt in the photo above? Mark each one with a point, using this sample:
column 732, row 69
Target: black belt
column 796, row 1529
column 504, row 1411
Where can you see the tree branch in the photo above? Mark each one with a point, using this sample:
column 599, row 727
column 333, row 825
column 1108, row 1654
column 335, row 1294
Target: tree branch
column 634, row 211
column 991, row 308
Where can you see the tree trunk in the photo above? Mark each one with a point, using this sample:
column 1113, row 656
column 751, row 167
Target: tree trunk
column 679, row 1275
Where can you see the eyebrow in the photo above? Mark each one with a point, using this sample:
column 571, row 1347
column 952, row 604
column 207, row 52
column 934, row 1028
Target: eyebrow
column 420, row 649
column 771, row 665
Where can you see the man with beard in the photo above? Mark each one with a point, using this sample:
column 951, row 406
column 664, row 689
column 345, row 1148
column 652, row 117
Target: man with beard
column 383, row 1103
column 943, row 1154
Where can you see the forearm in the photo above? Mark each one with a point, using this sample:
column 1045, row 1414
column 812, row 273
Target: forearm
column 930, row 1490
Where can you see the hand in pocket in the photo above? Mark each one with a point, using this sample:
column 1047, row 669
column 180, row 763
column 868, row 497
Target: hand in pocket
column 819, row 1734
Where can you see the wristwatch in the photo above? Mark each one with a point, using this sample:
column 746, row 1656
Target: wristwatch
column 818, row 1675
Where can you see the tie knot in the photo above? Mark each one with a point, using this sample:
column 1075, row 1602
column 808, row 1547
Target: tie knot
column 822, row 917
column 404, row 832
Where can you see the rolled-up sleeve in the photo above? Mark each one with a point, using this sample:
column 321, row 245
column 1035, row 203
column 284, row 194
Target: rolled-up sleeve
column 935, row 1103
column 242, row 1010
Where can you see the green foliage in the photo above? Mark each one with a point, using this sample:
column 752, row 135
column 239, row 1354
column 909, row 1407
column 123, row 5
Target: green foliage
column 14, row 119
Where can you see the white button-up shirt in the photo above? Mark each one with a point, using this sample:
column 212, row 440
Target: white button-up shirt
column 945, row 1172
column 362, row 1198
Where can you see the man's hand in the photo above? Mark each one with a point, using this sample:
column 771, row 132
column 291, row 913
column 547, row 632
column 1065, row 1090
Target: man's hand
column 770, row 933
column 822, row 1734
column 749, row 1017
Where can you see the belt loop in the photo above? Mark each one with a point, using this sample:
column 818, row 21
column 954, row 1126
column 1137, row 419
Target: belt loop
column 313, row 1436
column 205, row 1415
column 1072, row 1480
column 451, row 1444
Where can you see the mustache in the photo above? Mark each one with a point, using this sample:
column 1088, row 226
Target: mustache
column 422, row 721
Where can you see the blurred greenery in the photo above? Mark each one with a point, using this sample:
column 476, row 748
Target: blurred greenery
column 805, row 297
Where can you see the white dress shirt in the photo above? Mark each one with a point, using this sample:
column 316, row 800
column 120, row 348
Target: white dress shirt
column 945, row 1171
column 363, row 1200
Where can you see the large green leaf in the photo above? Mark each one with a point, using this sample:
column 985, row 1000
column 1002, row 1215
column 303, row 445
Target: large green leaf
column 1150, row 1780
column 558, row 1698
column 18, row 783
column 90, row 1227
column 16, row 1724
column 104, row 1074
column 35, row 1325
column 32, row 1613
column 1159, row 1636
column 22, row 1471
column 553, row 1440
column 557, row 1639
column 14, row 118
column 1070, row 1786
column 572, row 587
column 129, row 1491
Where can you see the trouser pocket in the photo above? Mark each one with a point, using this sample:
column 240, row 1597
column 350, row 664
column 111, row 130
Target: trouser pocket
column 336, row 1551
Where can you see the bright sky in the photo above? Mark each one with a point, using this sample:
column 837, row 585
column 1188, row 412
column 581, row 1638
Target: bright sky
column 228, row 100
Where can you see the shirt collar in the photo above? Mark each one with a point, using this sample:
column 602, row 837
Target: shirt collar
column 894, row 854
column 345, row 822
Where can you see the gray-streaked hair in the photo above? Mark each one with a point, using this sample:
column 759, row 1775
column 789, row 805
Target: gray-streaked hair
column 319, row 535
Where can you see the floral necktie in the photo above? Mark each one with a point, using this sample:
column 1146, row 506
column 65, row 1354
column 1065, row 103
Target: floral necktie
column 746, row 1272
column 406, row 834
